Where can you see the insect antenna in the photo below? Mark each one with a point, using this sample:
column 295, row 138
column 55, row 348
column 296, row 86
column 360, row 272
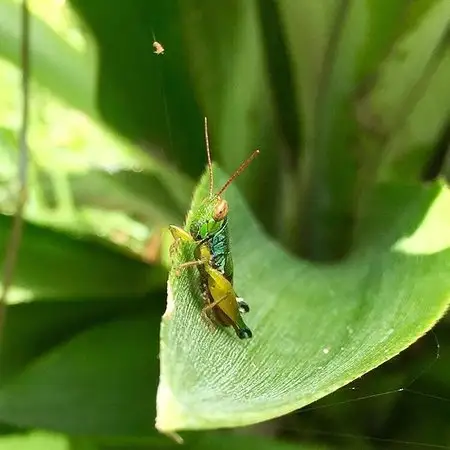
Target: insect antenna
column 208, row 154
column 238, row 171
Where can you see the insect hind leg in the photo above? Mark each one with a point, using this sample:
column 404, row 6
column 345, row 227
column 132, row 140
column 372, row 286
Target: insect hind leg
column 208, row 313
column 194, row 263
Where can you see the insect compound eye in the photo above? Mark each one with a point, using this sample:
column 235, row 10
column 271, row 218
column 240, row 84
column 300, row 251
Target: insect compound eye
column 221, row 210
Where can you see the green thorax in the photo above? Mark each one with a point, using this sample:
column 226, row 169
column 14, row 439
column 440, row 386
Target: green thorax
column 203, row 225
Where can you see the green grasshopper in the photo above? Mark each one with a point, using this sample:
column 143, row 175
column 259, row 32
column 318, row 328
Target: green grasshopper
column 207, row 227
column 218, row 293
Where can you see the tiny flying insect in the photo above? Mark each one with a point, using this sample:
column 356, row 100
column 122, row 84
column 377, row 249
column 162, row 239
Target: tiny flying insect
column 159, row 49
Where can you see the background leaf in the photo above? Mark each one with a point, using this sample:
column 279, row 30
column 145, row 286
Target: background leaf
column 155, row 198
column 74, row 267
column 35, row 328
column 406, row 106
column 111, row 371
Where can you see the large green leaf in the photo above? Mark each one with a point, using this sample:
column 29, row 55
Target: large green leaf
column 315, row 328
column 55, row 264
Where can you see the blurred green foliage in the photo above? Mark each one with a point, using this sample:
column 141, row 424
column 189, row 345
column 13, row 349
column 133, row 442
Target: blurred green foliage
column 349, row 103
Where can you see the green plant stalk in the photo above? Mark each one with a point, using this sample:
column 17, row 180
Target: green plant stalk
column 13, row 244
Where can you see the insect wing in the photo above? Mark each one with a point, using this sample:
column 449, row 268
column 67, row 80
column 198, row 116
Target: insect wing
column 222, row 291
column 227, row 309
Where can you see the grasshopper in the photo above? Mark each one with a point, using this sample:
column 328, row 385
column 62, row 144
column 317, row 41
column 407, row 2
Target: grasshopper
column 207, row 227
